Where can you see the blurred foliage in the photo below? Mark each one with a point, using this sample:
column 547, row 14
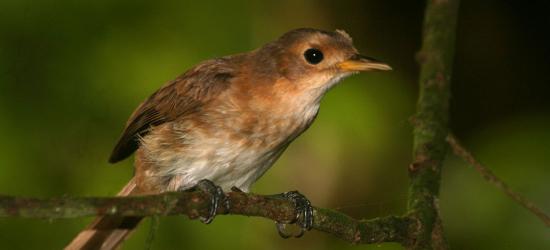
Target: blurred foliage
column 72, row 71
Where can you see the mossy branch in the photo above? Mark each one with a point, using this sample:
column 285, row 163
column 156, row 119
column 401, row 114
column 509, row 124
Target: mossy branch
column 431, row 121
column 197, row 203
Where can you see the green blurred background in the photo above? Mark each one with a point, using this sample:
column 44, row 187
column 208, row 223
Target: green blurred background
column 71, row 72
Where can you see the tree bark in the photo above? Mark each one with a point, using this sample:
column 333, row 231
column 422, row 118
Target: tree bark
column 431, row 122
column 197, row 203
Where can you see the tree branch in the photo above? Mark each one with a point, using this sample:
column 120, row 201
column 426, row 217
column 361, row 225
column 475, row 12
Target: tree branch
column 196, row 203
column 465, row 155
column 431, row 121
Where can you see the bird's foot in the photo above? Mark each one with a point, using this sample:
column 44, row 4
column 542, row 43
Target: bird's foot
column 217, row 198
column 304, row 215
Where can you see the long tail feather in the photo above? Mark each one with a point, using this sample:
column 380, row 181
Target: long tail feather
column 107, row 232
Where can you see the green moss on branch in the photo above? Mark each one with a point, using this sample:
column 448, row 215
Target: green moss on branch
column 196, row 203
column 431, row 121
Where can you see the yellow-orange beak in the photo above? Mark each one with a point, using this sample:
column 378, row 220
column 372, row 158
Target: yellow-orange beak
column 362, row 63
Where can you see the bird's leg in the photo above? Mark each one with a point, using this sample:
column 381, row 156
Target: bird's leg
column 217, row 197
column 304, row 214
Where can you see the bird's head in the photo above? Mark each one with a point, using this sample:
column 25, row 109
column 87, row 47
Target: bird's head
column 314, row 59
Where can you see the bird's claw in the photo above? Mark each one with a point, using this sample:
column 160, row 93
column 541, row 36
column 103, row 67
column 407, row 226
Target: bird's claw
column 217, row 198
column 304, row 215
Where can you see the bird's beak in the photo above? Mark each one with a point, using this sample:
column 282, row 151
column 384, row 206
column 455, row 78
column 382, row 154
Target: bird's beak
column 362, row 63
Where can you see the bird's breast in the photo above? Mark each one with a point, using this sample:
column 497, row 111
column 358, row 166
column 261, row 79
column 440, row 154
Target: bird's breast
column 228, row 142
column 230, row 147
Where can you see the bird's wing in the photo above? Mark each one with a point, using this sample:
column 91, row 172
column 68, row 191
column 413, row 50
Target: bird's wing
column 176, row 99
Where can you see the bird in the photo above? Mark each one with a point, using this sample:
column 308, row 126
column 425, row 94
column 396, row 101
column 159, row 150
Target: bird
column 223, row 123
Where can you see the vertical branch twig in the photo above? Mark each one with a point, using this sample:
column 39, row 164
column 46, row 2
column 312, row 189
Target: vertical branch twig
column 152, row 232
column 431, row 121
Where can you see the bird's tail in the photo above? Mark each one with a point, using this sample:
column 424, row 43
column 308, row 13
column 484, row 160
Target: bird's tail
column 107, row 232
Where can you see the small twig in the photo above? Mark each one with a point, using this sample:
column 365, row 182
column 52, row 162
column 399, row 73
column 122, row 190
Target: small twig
column 461, row 152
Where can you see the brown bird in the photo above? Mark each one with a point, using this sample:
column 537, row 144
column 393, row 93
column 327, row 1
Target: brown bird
column 223, row 123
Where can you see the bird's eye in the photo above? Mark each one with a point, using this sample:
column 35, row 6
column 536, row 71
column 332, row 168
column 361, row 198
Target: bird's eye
column 313, row 56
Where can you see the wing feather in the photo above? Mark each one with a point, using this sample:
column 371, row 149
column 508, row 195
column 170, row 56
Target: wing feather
column 176, row 99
